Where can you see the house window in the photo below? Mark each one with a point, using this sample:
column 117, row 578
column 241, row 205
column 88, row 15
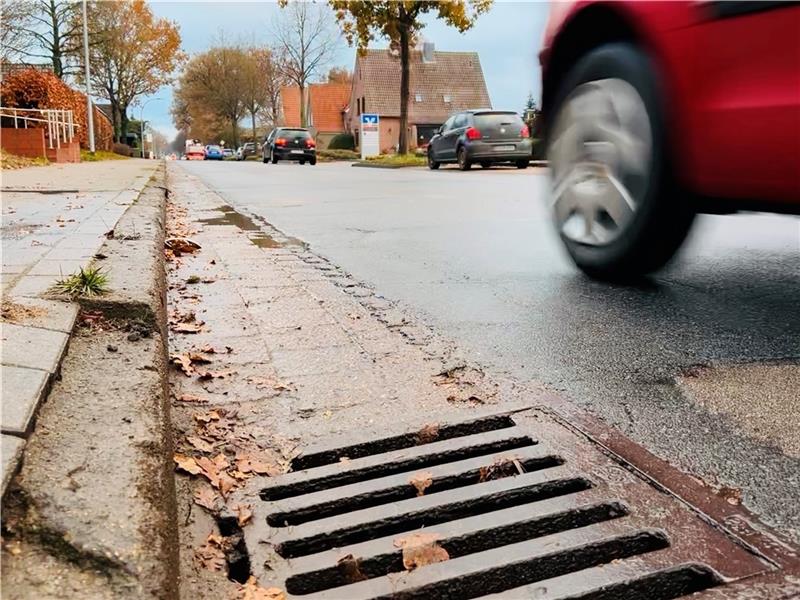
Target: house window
column 417, row 97
column 358, row 106
column 447, row 98
column 363, row 104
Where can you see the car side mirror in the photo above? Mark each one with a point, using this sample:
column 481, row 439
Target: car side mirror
column 439, row 131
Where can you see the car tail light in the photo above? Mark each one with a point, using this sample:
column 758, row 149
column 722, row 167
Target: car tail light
column 311, row 143
column 280, row 142
column 524, row 132
column 473, row 134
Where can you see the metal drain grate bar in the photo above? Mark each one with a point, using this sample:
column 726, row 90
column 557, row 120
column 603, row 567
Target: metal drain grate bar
column 425, row 511
column 461, row 537
column 476, row 574
column 381, row 465
column 373, row 492
column 574, row 519
column 652, row 576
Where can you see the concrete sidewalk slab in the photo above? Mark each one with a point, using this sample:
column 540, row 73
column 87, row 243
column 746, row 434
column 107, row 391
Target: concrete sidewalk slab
column 11, row 450
column 32, row 347
column 22, row 390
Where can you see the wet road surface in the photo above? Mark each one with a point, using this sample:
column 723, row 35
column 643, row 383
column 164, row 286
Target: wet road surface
column 475, row 256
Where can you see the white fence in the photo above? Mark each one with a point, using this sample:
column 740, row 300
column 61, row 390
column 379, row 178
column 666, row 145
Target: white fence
column 59, row 125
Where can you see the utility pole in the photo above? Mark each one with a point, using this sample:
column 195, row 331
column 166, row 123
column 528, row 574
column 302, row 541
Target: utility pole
column 89, row 107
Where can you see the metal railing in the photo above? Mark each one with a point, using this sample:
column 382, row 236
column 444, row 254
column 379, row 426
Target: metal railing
column 59, row 124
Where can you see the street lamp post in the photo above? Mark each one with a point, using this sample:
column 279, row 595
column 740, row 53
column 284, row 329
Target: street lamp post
column 89, row 111
column 141, row 121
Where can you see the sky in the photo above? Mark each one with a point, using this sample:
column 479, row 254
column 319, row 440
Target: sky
column 507, row 39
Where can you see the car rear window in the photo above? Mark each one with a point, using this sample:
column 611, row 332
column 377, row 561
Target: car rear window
column 214, row 148
column 497, row 119
column 294, row 133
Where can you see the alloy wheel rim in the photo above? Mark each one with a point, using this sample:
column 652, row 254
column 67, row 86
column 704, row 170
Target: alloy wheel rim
column 600, row 159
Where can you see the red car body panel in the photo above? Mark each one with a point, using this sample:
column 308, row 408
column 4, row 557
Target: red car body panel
column 731, row 89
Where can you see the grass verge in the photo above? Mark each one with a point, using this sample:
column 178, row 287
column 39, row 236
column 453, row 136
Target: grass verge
column 99, row 155
column 12, row 161
column 396, row 160
column 334, row 155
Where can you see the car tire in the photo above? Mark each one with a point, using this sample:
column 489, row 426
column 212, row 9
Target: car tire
column 432, row 164
column 312, row 161
column 463, row 161
column 522, row 164
column 273, row 158
column 264, row 159
column 627, row 217
column 302, row 162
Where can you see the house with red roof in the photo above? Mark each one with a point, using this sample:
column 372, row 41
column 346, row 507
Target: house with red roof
column 440, row 84
column 326, row 104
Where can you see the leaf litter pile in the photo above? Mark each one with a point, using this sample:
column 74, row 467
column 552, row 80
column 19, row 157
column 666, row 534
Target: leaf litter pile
column 215, row 449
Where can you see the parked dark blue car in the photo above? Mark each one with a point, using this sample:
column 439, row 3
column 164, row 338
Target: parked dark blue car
column 214, row 153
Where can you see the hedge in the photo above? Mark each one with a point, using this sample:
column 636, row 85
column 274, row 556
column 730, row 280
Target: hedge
column 342, row 141
column 34, row 88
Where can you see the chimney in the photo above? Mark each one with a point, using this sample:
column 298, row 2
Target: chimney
column 428, row 52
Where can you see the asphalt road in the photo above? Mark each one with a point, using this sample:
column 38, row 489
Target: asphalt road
column 474, row 255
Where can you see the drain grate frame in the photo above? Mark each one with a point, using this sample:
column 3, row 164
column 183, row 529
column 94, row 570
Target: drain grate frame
column 570, row 519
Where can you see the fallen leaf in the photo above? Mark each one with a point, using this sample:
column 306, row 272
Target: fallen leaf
column 181, row 245
column 211, row 555
column 262, row 383
column 187, row 327
column 247, row 463
column 209, row 349
column 244, row 514
column 191, row 398
column 207, row 498
column 252, row 591
column 200, row 444
column 429, row 433
column 732, row 496
column 207, row 417
column 421, row 481
column 350, row 569
column 198, row 358
column 187, row 463
column 183, row 362
column 502, row 466
column 206, row 375
column 420, row 549
column 225, row 483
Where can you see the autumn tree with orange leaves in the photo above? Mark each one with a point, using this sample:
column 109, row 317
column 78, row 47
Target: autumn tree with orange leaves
column 132, row 55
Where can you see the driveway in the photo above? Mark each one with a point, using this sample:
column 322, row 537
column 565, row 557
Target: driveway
column 698, row 363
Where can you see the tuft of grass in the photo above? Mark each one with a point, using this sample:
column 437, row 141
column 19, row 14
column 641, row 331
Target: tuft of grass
column 193, row 279
column 86, row 283
column 399, row 160
column 332, row 155
column 99, row 155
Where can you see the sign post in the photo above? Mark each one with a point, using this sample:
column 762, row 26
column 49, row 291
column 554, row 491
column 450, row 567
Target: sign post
column 370, row 135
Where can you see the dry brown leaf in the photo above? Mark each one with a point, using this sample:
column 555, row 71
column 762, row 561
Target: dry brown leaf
column 183, row 362
column 180, row 245
column 350, row 568
column 200, row 444
column 263, row 383
column 211, row 555
column 247, row 463
column 212, row 415
column 429, row 433
column 502, row 466
column 420, row 549
column 252, row 591
column 209, row 349
column 206, row 375
column 422, row 481
column 207, row 498
column 244, row 514
column 187, row 327
column 225, row 483
column 187, row 464
column 192, row 398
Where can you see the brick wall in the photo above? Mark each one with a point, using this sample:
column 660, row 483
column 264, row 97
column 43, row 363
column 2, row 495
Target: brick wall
column 23, row 142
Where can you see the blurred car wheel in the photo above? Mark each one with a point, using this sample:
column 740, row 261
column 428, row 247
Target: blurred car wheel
column 615, row 203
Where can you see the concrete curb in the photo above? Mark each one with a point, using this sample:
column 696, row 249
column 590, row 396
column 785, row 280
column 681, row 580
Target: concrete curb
column 96, row 491
column 366, row 165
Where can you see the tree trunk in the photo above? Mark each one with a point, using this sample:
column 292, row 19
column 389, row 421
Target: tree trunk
column 404, row 76
column 235, row 130
column 123, row 126
column 115, row 119
column 253, row 121
column 58, row 68
column 303, row 115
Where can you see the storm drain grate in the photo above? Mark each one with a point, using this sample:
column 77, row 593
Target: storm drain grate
column 509, row 506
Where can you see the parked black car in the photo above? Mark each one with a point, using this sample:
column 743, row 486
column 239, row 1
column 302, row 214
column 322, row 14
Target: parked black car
column 285, row 143
column 481, row 136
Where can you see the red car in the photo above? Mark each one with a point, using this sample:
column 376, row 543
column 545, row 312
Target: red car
column 654, row 111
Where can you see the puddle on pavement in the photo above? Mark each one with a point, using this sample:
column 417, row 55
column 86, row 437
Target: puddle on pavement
column 256, row 235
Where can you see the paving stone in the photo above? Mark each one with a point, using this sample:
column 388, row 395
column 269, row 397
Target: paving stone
column 52, row 314
column 33, row 285
column 32, row 347
column 12, row 451
column 58, row 267
column 22, row 391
